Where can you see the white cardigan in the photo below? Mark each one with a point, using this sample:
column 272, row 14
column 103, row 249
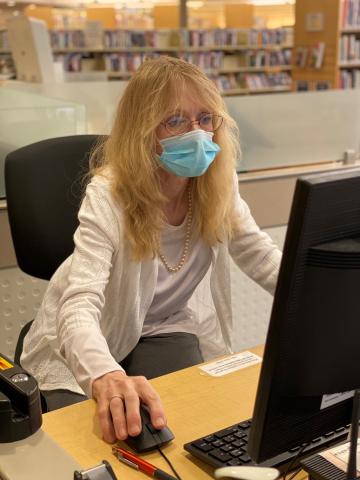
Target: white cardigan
column 96, row 302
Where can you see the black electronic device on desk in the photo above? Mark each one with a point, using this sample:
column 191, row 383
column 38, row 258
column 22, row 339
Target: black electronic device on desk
column 312, row 347
column 150, row 438
column 20, row 405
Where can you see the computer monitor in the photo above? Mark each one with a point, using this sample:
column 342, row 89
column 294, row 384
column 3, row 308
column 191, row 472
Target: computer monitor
column 313, row 341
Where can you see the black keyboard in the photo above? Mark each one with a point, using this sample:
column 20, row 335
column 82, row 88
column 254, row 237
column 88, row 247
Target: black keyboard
column 228, row 447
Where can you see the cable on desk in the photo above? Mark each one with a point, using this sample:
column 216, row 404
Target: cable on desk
column 169, row 463
column 295, row 473
column 291, row 464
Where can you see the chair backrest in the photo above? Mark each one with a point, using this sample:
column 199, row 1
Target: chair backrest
column 44, row 187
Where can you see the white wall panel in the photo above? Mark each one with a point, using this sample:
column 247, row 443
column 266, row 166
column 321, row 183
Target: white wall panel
column 251, row 304
column 20, row 298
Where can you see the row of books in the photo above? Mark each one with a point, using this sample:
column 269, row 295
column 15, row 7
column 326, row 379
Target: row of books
column 312, row 57
column 349, row 79
column 234, row 37
column 350, row 13
column 125, row 62
column 129, row 62
column 72, row 62
column 176, row 38
column 252, row 81
column 349, row 49
column 67, row 38
column 256, row 81
column 266, row 58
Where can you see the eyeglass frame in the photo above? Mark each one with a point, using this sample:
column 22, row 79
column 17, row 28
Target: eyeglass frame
column 191, row 122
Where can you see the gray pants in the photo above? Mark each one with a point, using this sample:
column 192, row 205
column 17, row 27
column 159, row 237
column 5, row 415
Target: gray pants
column 152, row 357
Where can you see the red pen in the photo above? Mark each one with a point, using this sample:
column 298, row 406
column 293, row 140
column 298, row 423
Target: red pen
column 140, row 464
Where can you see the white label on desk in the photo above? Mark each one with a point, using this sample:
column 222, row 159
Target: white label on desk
column 328, row 400
column 231, row 364
column 339, row 456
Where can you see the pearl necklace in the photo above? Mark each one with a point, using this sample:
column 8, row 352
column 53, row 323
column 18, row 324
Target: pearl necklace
column 177, row 267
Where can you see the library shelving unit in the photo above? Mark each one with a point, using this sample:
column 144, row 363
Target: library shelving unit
column 349, row 46
column 240, row 61
column 326, row 44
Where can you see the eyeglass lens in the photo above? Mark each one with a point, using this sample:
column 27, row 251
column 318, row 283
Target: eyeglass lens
column 178, row 124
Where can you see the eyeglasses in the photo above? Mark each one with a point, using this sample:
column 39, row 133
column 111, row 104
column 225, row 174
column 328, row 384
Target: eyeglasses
column 177, row 125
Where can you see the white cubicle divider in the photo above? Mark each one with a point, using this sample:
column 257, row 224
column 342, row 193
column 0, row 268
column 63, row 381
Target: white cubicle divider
column 293, row 129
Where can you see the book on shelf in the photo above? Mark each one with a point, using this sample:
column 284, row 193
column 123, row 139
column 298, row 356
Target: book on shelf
column 322, row 85
column 302, row 85
column 94, row 34
column 61, row 39
column 301, row 57
column 350, row 14
column 349, row 79
column 317, row 55
column 267, row 80
column 266, row 58
column 349, row 50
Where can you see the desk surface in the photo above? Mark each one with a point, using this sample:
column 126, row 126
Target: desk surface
column 196, row 404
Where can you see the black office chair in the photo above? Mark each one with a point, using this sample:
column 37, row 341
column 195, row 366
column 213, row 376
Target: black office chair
column 44, row 187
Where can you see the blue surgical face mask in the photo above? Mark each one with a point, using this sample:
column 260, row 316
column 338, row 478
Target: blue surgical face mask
column 189, row 155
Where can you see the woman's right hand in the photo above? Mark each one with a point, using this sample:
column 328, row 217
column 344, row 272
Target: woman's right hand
column 118, row 400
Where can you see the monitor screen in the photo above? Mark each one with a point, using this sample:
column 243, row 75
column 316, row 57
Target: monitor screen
column 312, row 342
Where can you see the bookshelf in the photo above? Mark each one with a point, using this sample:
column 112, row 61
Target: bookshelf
column 349, row 44
column 326, row 44
column 239, row 61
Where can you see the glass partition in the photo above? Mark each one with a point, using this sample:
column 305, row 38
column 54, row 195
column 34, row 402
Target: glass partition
column 100, row 99
column 27, row 117
column 282, row 130
column 278, row 130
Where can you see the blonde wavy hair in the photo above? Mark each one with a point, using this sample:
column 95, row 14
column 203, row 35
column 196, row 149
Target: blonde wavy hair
column 155, row 91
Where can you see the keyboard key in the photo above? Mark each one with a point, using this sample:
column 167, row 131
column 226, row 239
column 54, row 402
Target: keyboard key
column 226, row 448
column 229, row 438
column 238, row 443
column 245, row 458
column 225, row 432
column 209, row 438
column 219, row 455
column 218, row 443
column 328, row 434
column 245, row 424
column 203, row 446
column 234, row 462
column 237, row 452
column 240, row 434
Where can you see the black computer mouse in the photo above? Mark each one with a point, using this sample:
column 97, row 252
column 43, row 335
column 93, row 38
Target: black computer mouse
column 150, row 437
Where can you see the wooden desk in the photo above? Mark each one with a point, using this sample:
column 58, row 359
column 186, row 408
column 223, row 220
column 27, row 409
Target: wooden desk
column 196, row 404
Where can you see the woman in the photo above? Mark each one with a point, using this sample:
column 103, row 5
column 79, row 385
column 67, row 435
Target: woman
column 161, row 210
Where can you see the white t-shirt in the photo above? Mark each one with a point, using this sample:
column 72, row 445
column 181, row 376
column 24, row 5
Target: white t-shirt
column 169, row 310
